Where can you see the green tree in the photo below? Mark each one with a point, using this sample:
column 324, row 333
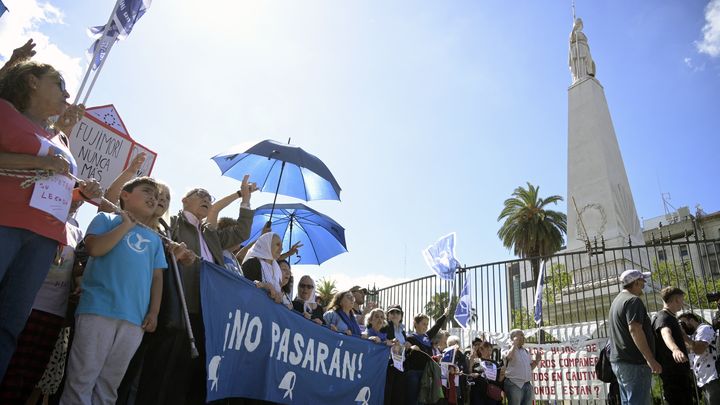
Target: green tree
column 521, row 318
column 683, row 276
column 326, row 289
column 530, row 229
column 435, row 308
column 556, row 280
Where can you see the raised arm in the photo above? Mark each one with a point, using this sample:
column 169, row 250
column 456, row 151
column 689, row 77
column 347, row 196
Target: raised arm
column 113, row 192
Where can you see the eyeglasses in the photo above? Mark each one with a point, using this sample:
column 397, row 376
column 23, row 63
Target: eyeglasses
column 307, row 286
column 202, row 193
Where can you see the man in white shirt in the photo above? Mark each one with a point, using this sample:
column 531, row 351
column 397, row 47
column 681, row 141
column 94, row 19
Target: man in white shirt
column 518, row 370
column 704, row 355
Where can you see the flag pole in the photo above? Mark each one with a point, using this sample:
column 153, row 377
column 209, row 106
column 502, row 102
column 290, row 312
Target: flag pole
column 89, row 68
column 97, row 72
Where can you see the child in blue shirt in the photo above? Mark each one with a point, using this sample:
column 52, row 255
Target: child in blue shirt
column 121, row 293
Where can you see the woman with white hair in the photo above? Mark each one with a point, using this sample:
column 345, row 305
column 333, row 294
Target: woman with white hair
column 260, row 264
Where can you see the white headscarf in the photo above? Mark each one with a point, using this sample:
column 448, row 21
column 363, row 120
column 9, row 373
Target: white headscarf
column 262, row 249
column 310, row 304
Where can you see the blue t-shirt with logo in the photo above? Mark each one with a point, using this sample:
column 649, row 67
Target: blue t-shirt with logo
column 117, row 285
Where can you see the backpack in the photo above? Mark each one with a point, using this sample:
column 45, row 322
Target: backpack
column 603, row 369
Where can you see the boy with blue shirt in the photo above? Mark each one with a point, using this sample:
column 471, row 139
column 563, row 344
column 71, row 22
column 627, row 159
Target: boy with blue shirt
column 121, row 293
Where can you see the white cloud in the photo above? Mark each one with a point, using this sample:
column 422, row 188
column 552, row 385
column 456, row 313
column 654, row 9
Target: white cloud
column 23, row 21
column 691, row 64
column 710, row 43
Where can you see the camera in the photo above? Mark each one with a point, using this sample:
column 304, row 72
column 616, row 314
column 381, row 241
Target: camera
column 713, row 296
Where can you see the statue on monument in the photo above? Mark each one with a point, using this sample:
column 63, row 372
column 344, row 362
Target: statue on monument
column 581, row 63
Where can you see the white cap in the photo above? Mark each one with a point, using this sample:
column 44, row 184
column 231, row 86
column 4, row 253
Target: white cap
column 628, row 276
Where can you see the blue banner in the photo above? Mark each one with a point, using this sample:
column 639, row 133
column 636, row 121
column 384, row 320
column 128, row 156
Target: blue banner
column 262, row 350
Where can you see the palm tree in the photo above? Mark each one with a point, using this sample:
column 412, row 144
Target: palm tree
column 531, row 230
column 326, row 289
column 437, row 305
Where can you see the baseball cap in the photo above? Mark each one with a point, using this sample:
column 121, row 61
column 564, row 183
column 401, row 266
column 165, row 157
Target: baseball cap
column 358, row 288
column 628, row 276
column 394, row 308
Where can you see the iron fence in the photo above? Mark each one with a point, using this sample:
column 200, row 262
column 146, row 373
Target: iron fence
column 578, row 289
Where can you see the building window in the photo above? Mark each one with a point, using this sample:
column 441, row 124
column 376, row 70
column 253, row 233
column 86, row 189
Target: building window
column 714, row 270
column 517, row 301
column 683, row 251
column 661, row 255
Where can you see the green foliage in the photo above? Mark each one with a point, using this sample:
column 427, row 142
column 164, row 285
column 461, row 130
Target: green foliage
column 682, row 275
column 521, row 318
column 530, row 229
column 437, row 304
column 326, row 289
column 556, row 280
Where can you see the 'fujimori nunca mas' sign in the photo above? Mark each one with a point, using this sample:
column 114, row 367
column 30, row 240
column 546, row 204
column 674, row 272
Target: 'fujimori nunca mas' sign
column 103, row 147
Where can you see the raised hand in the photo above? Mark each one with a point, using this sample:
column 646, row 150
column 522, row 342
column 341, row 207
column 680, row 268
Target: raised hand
column 23, row 53
column 247, row 188
column 70, row 117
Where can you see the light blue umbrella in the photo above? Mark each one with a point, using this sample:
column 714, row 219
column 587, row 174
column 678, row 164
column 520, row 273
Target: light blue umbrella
column 281, row 169
column 321, row 236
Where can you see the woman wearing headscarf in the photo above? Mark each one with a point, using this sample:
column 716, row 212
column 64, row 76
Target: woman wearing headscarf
column 260, row 264
column 32, row 229
column 340, row 317
column 305, row 301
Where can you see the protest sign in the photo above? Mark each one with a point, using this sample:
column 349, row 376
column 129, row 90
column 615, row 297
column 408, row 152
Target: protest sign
column 103, row 148
column 567, row 371
column 262, row 350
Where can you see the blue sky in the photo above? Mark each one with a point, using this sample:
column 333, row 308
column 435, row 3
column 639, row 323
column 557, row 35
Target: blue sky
column 428, row 113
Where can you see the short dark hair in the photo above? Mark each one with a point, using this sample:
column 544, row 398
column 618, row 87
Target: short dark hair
column 138, row 181
column 668, row 292
column 690, row 315
column 420, row 317
column 14, row 85
column 226, row 222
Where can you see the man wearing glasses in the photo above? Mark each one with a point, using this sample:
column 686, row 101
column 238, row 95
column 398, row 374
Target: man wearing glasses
column 208, row 243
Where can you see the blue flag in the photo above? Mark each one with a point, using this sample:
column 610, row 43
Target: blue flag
column 538, row 293
column 127, row 13
column 3, row 9
column 262, row 350
column 448, row 356
column 440, row 256
column 464, row 310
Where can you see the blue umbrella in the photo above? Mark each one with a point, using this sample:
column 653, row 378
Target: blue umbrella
column 321, row 236
column 281, row 168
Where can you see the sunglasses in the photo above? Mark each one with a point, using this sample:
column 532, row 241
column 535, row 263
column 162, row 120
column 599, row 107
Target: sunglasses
column 308, row 286
column 202, row 193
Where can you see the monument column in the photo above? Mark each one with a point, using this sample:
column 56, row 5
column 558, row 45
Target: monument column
column 597, row 182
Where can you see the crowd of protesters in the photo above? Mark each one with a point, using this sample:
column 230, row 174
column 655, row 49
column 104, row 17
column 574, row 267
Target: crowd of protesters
column 678, row 346
column 96, row 314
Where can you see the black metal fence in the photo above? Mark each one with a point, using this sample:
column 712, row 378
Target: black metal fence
column 579, row 286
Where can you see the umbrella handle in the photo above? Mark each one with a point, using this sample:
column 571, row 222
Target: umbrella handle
column 277, row 189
